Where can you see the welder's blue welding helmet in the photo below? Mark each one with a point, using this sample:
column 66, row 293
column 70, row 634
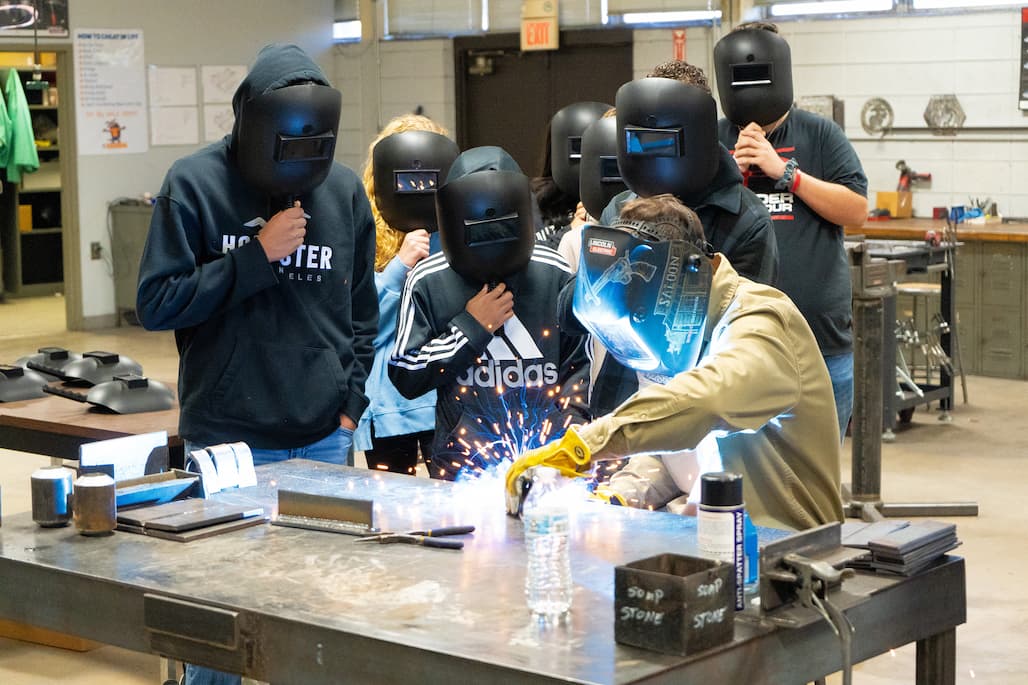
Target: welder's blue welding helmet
column 643, row 297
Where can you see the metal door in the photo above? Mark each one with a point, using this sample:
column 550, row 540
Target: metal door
column 506, row 97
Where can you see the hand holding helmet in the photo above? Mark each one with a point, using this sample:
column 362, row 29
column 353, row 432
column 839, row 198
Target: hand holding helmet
column 414, row 247
column 491, row 308
column 284, row 233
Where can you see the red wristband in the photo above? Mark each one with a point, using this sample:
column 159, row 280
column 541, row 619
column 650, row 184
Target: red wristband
column 795, row 181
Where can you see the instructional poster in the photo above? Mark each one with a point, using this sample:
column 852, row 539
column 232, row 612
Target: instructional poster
column 174, row 117
column 219, row 84
column 110, row 89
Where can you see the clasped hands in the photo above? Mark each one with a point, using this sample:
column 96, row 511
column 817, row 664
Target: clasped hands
column 752, row 149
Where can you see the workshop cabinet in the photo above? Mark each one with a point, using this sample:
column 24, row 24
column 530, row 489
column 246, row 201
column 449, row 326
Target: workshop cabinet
column 1001, row 314
column 1001, row 344
column 32, row 211
column 967, row 335
column 1002, row 270
column 966, row 274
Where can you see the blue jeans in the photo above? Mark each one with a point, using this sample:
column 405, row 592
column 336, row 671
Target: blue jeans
column 335, row 449
column 840, row 369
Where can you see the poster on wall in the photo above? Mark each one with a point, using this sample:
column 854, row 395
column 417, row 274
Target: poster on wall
column 219, row 84
column 46, row 17
column 110, row 89
column 174, row 117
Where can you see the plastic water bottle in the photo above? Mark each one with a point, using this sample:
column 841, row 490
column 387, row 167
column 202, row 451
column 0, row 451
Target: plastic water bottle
column 546, row 518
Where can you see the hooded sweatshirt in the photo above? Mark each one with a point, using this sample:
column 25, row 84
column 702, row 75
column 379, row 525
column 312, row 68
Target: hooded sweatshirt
column 269, row 353
column 498, row 393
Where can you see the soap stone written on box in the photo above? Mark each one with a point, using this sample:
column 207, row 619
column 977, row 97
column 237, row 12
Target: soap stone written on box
column 674, row 604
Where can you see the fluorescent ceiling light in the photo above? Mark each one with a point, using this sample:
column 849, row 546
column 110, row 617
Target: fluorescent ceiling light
column 669, row 17
column 791, row 9
column 962, row 4
column 346, row 30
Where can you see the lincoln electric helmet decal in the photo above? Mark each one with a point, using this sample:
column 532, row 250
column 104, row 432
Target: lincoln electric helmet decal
column 307, row 264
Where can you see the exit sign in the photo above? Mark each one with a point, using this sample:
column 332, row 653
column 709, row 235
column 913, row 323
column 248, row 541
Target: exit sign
column 539, row 34
column 539, row 27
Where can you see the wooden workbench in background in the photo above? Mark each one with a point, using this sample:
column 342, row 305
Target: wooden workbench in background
column 991, row 289
column 56, row 427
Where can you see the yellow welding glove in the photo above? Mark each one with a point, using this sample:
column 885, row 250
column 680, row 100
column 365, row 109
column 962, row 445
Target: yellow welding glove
column 606, row 494
column 568, row 455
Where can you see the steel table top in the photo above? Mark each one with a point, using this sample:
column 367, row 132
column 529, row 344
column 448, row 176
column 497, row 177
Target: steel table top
column 311, row 607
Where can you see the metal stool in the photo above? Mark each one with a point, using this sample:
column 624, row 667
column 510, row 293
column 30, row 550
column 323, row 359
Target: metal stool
column 925, row 294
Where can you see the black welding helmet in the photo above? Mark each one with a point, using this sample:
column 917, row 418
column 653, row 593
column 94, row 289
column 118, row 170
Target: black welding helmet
column 485, row 216
column 644, row 292
column 754, row 76
column 287, row 116
column 599, row 177
column 566, row 129
column 408, row 168
column 667, row 138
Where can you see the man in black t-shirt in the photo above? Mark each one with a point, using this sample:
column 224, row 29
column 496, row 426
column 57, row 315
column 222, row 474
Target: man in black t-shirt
column 810, row 179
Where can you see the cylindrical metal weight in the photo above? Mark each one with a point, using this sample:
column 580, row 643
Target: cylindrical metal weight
column 51, row 496
column 95, row 508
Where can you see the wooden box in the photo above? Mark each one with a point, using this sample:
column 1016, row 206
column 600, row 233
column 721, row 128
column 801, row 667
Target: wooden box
column 900, row 203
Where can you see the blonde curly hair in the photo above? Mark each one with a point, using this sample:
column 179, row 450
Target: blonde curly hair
column 387, row 238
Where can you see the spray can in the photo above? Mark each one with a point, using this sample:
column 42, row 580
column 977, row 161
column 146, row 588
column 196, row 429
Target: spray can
column 720, row 525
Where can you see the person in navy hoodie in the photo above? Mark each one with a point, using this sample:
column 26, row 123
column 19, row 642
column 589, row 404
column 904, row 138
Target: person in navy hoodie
column 260, row 256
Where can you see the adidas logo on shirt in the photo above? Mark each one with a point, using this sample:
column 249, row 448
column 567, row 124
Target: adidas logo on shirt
column 507, row 361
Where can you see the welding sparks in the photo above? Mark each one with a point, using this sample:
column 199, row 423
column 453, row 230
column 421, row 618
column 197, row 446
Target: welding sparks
column 512, row 421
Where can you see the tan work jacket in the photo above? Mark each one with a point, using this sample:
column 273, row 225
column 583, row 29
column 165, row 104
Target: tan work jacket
column 762, row 384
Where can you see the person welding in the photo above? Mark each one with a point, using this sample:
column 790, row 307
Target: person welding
column 730, row 374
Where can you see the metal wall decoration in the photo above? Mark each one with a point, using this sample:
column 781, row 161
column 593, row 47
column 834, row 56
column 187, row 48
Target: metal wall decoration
column 876, row 117
column 828, row 106
column 944, row 115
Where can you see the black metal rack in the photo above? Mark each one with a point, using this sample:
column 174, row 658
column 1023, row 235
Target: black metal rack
column 920, row 257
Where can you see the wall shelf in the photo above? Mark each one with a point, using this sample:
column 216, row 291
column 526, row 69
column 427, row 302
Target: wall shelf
column 32, row 233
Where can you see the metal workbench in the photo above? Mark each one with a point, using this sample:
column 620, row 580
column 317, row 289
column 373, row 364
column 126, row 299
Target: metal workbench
column 295, row 606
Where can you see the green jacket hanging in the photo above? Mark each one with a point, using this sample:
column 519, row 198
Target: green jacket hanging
column 22, row 156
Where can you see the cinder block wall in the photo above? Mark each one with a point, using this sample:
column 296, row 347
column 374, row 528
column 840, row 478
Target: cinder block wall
column 974, row 56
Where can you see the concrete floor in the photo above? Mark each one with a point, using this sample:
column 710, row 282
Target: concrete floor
column 981, row 456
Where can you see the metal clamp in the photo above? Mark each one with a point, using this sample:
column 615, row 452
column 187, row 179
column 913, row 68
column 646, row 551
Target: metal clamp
column 813, row 580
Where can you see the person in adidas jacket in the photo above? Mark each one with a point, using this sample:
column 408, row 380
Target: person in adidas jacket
column 507, row 377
